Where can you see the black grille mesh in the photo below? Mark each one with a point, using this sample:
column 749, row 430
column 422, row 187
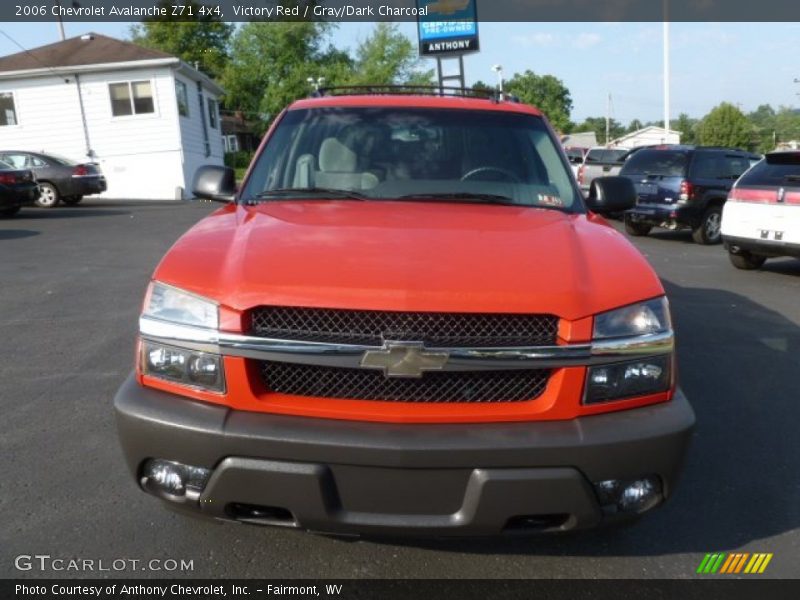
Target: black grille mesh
column 436, row 386
column 371, row 328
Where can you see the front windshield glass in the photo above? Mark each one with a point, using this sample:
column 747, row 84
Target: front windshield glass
column 413, row 153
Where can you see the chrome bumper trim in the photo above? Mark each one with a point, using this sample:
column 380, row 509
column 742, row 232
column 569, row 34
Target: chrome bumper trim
column 350, row 355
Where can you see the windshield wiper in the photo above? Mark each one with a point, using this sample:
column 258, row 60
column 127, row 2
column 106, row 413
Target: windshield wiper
column 311, row 191
column 466, row 196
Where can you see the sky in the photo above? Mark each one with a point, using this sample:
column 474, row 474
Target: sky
column 744, row 63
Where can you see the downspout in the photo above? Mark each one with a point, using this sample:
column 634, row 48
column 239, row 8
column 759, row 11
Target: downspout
column 206, row 141
column 89, row 151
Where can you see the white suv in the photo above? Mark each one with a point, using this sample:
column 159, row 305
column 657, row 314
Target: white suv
column 761, row 218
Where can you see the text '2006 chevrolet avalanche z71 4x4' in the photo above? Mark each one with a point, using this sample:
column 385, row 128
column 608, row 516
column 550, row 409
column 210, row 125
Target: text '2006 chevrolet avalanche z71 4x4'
column 406, row 320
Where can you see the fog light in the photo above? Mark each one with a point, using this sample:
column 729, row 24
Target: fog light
column 629, row 496
column 174, row 480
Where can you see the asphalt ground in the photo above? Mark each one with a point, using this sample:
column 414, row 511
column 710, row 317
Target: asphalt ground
column 71, row 285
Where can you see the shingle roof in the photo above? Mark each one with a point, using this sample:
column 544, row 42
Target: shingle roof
column 88, row 49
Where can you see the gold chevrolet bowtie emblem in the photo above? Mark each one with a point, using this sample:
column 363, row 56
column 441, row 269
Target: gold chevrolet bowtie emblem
column 404, row 359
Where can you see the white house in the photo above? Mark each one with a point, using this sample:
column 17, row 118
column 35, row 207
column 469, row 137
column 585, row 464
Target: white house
column 147, row 118
column 648, row 136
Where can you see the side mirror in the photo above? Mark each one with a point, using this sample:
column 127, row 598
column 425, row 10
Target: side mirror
column 608, row 195
column 212, row 182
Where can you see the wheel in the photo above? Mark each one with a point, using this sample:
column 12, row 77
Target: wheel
column 636, row 229
column 5, row 213
column 71, row 200
column 709, row 231
column 48, row 197
column 746, row 261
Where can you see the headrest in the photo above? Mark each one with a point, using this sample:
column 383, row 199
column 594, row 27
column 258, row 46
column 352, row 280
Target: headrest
column 335, row 157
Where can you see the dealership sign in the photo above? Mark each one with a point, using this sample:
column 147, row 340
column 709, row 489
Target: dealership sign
column 447, row 27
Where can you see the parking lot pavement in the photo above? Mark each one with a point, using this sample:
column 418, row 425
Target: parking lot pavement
column 72, row 285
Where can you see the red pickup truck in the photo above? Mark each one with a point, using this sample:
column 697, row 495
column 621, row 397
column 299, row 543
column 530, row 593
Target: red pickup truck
column 406, row 320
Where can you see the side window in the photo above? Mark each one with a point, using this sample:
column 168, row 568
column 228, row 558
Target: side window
column 182, row 96
column 36, row 162
column 212, row 113
column 706, row 166
column 131, row 98
column 8, row 110
column 18, row 161
column 736, row 166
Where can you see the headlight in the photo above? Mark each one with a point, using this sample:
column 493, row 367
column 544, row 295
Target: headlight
column 635, row 376
column 177, row 306
column 180, row 365
column 637, row 319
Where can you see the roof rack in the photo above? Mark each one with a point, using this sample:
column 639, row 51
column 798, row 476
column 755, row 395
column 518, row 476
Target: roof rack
column 413, row 90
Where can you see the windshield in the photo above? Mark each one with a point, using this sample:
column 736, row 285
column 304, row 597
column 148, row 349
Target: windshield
column 413, row 153
column 656, row 162
column 606, row 155
column 777, row 170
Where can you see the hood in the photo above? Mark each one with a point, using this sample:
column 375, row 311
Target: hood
column 413, row 256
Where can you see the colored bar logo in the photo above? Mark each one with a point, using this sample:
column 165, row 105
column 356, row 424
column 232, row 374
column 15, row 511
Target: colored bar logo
column 734, row 562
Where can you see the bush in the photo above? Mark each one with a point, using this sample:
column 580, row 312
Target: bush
column 238, row 161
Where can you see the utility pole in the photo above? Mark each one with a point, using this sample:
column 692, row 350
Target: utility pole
column 60, row 21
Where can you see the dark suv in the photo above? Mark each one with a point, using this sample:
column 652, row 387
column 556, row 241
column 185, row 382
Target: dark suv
column 683, row 186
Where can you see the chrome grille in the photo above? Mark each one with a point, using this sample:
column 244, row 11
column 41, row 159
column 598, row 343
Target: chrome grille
column 371, row 328
column 437, row 386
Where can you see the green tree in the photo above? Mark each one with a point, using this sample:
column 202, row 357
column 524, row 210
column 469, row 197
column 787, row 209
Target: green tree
column 687, row 127
column 725, row 125
column 598, row 125
column 387, row 57
column 482, row 86
column 203, row 42
column 546, row 92
column 635, row 125
column 271, row 63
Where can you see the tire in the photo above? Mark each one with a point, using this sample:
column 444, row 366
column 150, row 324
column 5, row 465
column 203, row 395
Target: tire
column 709, row 231
column 636, row 229
column 746, row 261
column 49, row 196
column 71, row 200
column 7, row 213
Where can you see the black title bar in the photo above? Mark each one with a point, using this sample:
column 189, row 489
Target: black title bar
column 400, row 10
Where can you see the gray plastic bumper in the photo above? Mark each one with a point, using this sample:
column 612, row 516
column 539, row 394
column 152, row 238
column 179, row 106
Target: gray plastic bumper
column 418, row 479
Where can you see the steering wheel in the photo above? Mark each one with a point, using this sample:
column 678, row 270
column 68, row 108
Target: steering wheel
column 505, row 172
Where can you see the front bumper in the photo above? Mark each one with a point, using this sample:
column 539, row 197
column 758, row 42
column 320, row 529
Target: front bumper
column 351, row 477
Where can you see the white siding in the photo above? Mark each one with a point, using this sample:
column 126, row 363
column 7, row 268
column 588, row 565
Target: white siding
column 648, row 137
column 192, row 137
column 146, row 156
column 48, row 117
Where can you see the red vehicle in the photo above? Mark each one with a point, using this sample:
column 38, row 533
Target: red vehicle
column 407, row 320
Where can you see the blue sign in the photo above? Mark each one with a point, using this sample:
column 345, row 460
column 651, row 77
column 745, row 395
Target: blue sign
column 447, row 26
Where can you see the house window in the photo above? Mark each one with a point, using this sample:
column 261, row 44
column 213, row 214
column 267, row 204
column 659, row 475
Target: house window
column 8, row 111
column 231, row 143
column 182, row 94
column 131, row 98
column 212, row 113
